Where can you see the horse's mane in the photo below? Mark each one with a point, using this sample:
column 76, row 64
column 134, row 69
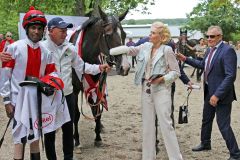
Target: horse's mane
column 91, row 21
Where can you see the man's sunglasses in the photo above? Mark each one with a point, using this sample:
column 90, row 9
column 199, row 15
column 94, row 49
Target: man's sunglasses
column 212, row 36
column 8, row 36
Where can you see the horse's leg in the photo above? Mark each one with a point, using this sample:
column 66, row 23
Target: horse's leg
column 77, row 87
column 76, row 120
column 98, row 127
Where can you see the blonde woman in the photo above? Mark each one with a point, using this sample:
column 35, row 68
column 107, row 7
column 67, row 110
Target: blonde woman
column 155, row 58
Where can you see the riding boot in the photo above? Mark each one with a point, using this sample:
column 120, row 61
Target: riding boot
column 24, row 141
column 35, row 156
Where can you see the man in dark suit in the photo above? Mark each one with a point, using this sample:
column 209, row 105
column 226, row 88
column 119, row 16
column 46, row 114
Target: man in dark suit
column 219, row 64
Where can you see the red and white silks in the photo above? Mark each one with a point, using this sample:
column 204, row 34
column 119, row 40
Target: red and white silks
column 25, row 122
column 28, row 59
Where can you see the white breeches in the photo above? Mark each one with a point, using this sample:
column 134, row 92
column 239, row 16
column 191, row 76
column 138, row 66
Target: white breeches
column 158, row 103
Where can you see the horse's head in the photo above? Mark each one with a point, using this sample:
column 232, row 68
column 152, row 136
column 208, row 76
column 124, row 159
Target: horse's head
column 100, row 34
column 114, row 36
column 182, row 46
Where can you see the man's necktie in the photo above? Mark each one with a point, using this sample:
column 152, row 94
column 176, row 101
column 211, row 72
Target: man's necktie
column 208, row 63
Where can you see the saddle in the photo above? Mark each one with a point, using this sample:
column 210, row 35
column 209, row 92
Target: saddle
column 46, row 85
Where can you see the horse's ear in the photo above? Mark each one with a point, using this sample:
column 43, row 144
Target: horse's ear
column 89, row 14
column 102, row 14
column 122, row 16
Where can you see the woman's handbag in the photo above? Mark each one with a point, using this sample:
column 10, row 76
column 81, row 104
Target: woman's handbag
column 183, row 111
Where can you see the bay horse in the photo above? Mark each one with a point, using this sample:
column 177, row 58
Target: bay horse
column 94, row 40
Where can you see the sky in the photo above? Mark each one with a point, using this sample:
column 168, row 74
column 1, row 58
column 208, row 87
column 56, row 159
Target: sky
column 166, row 9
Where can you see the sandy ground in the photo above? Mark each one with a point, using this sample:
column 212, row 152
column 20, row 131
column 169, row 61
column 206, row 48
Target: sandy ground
column 122, row 133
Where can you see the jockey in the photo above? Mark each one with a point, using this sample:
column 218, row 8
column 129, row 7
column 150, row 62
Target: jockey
column 29, row 59
column 65, row 56
column 4, row 43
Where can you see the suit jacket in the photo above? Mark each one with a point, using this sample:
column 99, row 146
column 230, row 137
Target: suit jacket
column 184, row 78
column 222, row 73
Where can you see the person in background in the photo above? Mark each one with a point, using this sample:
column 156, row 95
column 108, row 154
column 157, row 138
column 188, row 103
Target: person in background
column 142, row 40
column 65, row 57
column 155, row 58
column 131, row 43
column 231, row 44
column 220, row 68
column 4, row 43
column 199, row 51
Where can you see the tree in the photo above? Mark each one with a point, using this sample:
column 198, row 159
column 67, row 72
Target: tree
column 10, row 9
column 224, row 13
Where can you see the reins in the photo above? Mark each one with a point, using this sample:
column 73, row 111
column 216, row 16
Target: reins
column 99, row 87
column 100, row 90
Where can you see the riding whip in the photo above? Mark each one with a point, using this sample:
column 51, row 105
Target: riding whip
column 2, row 139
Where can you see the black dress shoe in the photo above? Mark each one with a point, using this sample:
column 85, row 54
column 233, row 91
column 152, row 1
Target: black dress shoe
column 202, row 147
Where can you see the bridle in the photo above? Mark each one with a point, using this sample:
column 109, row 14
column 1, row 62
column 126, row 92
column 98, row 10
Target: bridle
column 100, row 86
column 109, row 28
column 114, row 25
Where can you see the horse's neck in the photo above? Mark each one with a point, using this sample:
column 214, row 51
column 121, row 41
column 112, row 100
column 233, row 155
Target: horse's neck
column 90, row 47
column 74, row 37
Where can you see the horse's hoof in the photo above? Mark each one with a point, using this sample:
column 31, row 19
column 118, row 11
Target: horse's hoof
column 77, row 143
column 98, row 143
column 157, row 149
column 78, row 146
column 77, row 150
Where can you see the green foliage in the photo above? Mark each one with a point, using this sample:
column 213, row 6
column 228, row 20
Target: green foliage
column 235, row 37
column 224, row 13
column 10, row 9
